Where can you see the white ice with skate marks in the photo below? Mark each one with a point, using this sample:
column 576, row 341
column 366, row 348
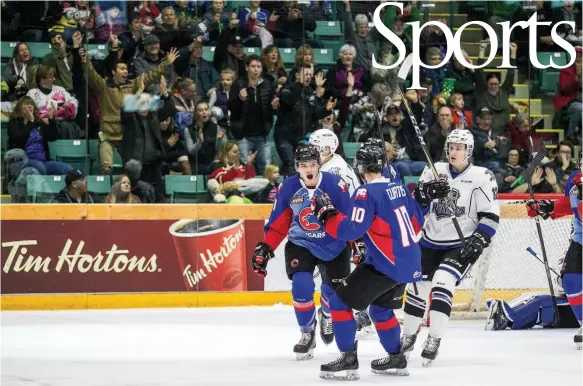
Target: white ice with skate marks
column 253, row 346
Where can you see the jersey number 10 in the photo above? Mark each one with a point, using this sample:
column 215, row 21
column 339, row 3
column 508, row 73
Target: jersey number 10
column 405, row 225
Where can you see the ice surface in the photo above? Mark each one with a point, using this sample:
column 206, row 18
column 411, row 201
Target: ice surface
column 253, row 346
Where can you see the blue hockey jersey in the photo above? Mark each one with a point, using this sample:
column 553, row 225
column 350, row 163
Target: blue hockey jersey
column 391, row 222
column 292, row 215
column 571, row 192
column 391, row 173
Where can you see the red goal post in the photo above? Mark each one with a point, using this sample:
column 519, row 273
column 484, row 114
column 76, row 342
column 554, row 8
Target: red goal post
column 506, row 270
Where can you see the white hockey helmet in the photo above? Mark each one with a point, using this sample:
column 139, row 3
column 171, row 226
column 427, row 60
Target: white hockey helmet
column 324, row 138
column 463, row 137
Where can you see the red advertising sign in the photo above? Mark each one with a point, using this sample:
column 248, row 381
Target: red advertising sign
column 85, row 256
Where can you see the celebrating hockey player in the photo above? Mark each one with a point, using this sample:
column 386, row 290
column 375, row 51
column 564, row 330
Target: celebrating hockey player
column 388, row 218
column 308, row 244
column 573, row 266
column 388, row 171
column 327, row 143
column 469, row 193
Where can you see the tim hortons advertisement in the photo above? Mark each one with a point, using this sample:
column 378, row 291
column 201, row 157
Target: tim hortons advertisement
column 128, row 256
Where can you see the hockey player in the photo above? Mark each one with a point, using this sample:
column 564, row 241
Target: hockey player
column 529, row 310
column 469, row 193
column 308, row 244
column 327, row 143
column 388, row 171
column 573, row 266
column 388, row 218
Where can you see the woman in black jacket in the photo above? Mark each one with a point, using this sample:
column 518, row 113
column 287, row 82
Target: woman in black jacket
column 27, row 131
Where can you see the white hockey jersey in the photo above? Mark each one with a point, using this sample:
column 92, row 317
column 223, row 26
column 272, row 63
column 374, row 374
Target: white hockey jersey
column 337, row 165
column 473, row 200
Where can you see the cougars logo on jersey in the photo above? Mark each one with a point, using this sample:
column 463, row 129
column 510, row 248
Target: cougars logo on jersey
column 448, row 207
column 307, row 219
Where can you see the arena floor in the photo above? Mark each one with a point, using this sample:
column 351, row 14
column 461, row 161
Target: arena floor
column 253, row 346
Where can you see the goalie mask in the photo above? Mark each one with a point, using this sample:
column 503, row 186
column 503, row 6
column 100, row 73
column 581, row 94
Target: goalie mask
column 307, row 162
column 459, row 137
column 325, row 140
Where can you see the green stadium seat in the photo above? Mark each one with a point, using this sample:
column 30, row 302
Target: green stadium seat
column 94, row 166
column 70, row 151
column 350, row 149
column 333, row 45
column 410, row 180
column 252, row 51
column 324, row 57
column 288, row 55
column 39, row 50
column 185, row 189
column 99, row 186
column 117, row 162
column 328, row 29
column 6, row 49
column 42, row 189
column 559, row 58
column 208, row 53
column 550, row 82
column 101, row 49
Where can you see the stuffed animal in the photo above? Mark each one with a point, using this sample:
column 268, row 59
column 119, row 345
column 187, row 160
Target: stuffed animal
column 220, row 192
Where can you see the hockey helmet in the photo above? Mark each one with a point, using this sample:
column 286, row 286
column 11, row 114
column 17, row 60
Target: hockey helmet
column 324, row 138
column 463, row 137
column 369, row 159
column 375, row 142
column 306, row 153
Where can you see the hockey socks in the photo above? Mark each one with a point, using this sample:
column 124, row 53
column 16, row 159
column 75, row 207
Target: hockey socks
column 325, row 298
column 415, row 304
column 573, row 289
column 441, row 302
column 387, row 327
column 303, row 295
column 343, row 323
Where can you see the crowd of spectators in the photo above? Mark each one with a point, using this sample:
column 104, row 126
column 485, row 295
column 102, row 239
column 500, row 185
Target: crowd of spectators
column 151, row 96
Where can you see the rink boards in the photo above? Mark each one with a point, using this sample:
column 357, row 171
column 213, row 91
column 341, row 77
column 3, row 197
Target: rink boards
column 129, row 256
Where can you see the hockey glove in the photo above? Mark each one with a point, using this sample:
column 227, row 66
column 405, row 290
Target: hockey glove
column 542, row 208
column 358, row 251
column 261, row 256
column 474, row 246
column 323, row 208
column 577, row 181
column 432, row 190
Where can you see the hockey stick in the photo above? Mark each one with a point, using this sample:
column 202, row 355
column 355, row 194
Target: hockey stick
column 534, row 164
column 402, row 76
column 533, row 253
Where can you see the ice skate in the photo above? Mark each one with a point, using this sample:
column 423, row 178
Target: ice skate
column 326, row 331
column 577, row 338
column 430, row 350
column 363, row 323
column 408, row 344
column 497, row 319
column 305, row 348
column 344, row 368
column 393, row 364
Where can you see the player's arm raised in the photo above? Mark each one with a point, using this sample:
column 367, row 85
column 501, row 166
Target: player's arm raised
column 276, row 230
column 338, row 224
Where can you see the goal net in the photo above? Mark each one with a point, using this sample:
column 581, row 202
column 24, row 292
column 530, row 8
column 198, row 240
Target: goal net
column 507, row 270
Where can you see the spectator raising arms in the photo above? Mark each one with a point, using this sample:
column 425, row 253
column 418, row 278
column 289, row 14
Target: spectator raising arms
column 111, row 92
column 567, row 100
column 336, row 78
column 252, row 102
column 61, row 61
column 203, row 139
column 27, row 131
